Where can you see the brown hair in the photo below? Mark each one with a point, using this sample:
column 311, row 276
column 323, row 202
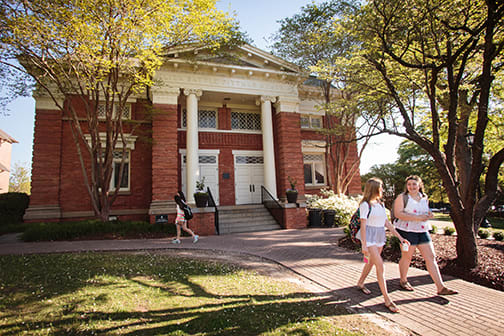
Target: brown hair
column 419, row 181
column 372, row 189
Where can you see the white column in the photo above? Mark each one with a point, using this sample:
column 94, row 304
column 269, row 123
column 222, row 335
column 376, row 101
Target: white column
column 192, row 160
column 268, row 148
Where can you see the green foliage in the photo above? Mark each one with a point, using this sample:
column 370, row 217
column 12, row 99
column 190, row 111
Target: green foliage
column 343, row 205
column 20, row 179
column 347, row 231
column 91, row 228
column 433, row 229
column 448, row 230
column 394, row 243
column 292, row 182
column 12, row 207
column 498, row 235
column 483, row 234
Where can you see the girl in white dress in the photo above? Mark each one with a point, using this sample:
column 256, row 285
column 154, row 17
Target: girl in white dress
column 373, row 219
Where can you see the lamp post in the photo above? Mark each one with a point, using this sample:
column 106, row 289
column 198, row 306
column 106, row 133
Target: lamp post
column 470, row 138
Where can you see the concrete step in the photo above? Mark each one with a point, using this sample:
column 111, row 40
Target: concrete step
column 245, row 218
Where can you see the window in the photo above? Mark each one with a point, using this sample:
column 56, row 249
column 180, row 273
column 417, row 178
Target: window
column 314, row 171
column 249, row 159
column 125, row 112
column 206, row 119
column 311, row 122
column 125, row 181
column 245, row 121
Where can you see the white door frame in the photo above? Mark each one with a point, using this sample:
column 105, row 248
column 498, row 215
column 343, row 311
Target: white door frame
column 213, row 187
column 253, row 184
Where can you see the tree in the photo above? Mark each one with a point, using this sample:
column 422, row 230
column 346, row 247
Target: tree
column 19, row 180
column 435, row 63
column 99, row 53
column 309, row 40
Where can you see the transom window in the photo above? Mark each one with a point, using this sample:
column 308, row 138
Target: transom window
column 314, row 171
column 206, row 119
column 125, row 111
column 245, row 121
column 311, row 122
column 203, row 159
column 242, row 159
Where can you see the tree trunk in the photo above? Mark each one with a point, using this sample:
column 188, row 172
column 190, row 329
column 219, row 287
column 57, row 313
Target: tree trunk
column 467, row 251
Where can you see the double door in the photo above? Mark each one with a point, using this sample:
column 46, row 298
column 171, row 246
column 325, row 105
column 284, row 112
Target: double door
column 249, row 177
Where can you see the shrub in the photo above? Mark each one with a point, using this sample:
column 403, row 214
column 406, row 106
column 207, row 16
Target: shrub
column 394, row 243
column 347, row 231
column 448, row 230
column 483, row 234
column 343, row 205
column 90, row 228
column 498, row 235
column 12, row 207
column 433, row 229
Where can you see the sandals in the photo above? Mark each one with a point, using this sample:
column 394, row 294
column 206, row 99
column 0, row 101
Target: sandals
column 406, row 286
column 364, row 290
column 392, row 307
column 447, row 291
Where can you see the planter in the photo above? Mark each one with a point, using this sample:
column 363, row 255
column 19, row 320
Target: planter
column 291, row 196
column 201, row 199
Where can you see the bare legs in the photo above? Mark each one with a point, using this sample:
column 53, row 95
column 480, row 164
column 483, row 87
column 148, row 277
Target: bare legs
column 376, row 260
column 427, row 252
column 183, row 224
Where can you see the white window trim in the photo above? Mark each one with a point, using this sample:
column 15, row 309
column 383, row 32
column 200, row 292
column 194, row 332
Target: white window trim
column 312, row 117
column 130, row 140
column 201, row 152
column 112, row 180
column 312, row 163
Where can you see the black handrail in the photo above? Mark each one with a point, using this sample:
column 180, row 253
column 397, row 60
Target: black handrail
column 271, row 203
column 211, row 202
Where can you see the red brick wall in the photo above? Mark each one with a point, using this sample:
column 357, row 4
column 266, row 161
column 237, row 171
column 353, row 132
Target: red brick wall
column 226, row 185
column 295, row 218
column 288, row 155
column 46, row 158
column 203, row 224
column 224, row 118
column 165, row 168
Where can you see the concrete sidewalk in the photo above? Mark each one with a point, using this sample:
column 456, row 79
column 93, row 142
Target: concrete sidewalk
column 313, row 253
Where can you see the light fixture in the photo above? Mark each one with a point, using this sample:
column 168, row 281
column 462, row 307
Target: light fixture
column 470, row 138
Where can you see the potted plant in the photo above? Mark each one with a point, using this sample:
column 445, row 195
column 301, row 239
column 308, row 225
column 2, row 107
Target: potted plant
column 291, row 193
column 201, row 196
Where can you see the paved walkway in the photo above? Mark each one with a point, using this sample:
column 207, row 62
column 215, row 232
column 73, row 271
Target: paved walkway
column 313, row 254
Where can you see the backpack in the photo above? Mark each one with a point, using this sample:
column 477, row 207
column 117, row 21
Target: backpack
column 354, row 225
column 405, row 202
column 188, row 214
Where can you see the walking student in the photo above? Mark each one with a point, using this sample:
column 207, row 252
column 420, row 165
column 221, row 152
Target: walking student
column 373, row 219
column 412, row 211
column 182, row 218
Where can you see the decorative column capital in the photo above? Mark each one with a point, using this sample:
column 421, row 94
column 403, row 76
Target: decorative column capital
column 264, row 99
column 287, row 104
column 197, row 92
column 165, row 95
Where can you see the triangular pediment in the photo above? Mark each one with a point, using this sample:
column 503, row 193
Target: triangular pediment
column 245, row 56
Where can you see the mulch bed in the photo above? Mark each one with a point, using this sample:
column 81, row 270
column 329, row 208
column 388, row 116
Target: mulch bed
column 489, row 273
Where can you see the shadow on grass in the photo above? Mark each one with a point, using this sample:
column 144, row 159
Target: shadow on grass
column 27, row 280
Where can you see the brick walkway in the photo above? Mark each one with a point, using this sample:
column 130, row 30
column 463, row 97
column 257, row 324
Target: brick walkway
column 311, row 253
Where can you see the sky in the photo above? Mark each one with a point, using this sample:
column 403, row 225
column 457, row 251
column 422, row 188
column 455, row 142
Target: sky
column 259, row 19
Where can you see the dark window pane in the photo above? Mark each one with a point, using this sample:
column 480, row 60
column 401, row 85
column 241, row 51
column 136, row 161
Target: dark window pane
column 308, row 174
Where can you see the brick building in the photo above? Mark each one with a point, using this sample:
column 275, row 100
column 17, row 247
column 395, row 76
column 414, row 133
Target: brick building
column 239, row 123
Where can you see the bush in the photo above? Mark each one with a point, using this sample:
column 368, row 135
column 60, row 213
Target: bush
column 91, row 228
column 394, row 243
column 483, row 234
column 448, row 230
column 12, row 207
column 498, row 235
column 347, row 231
column 343, row 205
column 433, row 229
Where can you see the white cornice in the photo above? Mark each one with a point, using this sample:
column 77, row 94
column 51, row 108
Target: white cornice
column 130, row 140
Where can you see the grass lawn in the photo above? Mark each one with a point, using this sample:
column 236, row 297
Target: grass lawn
column 153, row 294
column 496, row 222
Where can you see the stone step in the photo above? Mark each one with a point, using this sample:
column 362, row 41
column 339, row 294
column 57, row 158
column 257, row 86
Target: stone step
column 245, row 218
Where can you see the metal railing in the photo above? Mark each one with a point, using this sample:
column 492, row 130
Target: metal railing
column 271, row 203
column 211, row 203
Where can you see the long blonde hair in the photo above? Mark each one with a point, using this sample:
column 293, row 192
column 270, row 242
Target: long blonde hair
column 372, row 189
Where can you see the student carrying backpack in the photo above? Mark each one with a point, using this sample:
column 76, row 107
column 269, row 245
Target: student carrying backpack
column 354, row 225
column 184, row 213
